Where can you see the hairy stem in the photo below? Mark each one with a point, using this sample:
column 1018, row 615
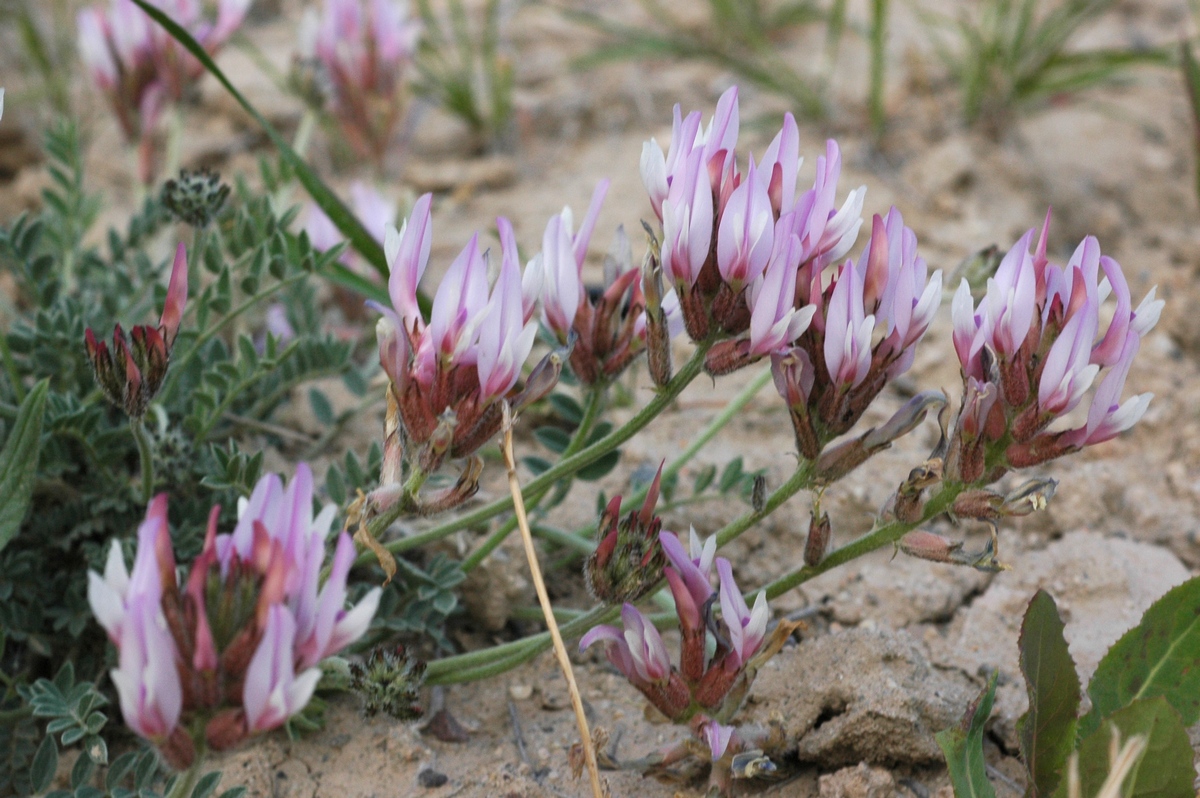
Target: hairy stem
column 145, row 457
column 878, row 537
column 563, row 468
column 498, row 659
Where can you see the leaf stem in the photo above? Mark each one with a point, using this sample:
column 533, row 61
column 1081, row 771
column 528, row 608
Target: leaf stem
column 145, row 456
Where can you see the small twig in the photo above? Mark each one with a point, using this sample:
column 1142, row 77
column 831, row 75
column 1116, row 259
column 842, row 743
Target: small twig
column 535, row 571
column 518, row 735
column 1000, row 776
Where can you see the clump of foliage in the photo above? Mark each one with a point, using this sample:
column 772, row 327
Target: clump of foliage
column 1008, row 55
column 1133, row 740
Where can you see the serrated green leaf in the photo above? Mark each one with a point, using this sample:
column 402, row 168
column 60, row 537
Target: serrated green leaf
column 335, row 486
column 18, row 462
column 962, row 746
column 1047, row 730
column 1158, row 657
column 119, row 767
column 600, row 468
column 601, row 430
column 553, row 438
column 95, row 722
column 1165, row 769
column 44, row 764
column 704, row 479
column 96, row 749
column 64, row 680
column 73, row 735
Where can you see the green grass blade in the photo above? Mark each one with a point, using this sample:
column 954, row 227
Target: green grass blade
column 326, row 199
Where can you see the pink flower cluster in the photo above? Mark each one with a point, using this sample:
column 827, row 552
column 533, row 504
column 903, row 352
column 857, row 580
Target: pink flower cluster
column 864, row 331
column 746, row 253
column 231, row 650
column 1032, row 349
column 364, row 49
column 605, row 333
column 449, row 374
column 715, row 684
column 726, row 234
column 138, row 66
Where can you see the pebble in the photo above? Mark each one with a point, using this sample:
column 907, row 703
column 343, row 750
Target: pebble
column 520, row 692
column 430, row 778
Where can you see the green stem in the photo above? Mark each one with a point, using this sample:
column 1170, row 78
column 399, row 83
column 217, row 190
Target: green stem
column 718, row 423
column 186, row 781
column 498, row 659
column 591, row 412
column 876, row 110
column 146, row 458
column 878, row 537
column 563, row 468
column 174, row 140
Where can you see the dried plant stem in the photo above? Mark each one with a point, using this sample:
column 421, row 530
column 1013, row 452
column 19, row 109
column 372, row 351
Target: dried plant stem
column 535, row 571
column 565, row 467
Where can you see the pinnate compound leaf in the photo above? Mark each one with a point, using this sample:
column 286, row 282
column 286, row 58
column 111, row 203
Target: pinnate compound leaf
column 1047, row 730
column 1158, row 657
column 962, row 746
column 1165, row 769
column 18, row 462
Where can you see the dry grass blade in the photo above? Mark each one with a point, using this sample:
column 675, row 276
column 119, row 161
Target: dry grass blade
column 599, row 790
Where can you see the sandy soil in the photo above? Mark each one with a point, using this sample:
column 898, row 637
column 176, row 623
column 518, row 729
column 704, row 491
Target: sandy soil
column 894, row 648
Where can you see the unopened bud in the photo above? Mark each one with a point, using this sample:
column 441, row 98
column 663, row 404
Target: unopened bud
column 226, row 730
column 628, row 559
column 658, row 334
column 819, row 532
column 752, row 764
column 758, row 494
column 928, row 546
column 979, row 504
column 904, row 420
column 195, row 197
column 544, row 376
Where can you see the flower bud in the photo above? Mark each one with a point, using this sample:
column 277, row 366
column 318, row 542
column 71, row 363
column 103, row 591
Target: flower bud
column 628, row 560
column 817, row 543
column 195, row 198
column 131, row 375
